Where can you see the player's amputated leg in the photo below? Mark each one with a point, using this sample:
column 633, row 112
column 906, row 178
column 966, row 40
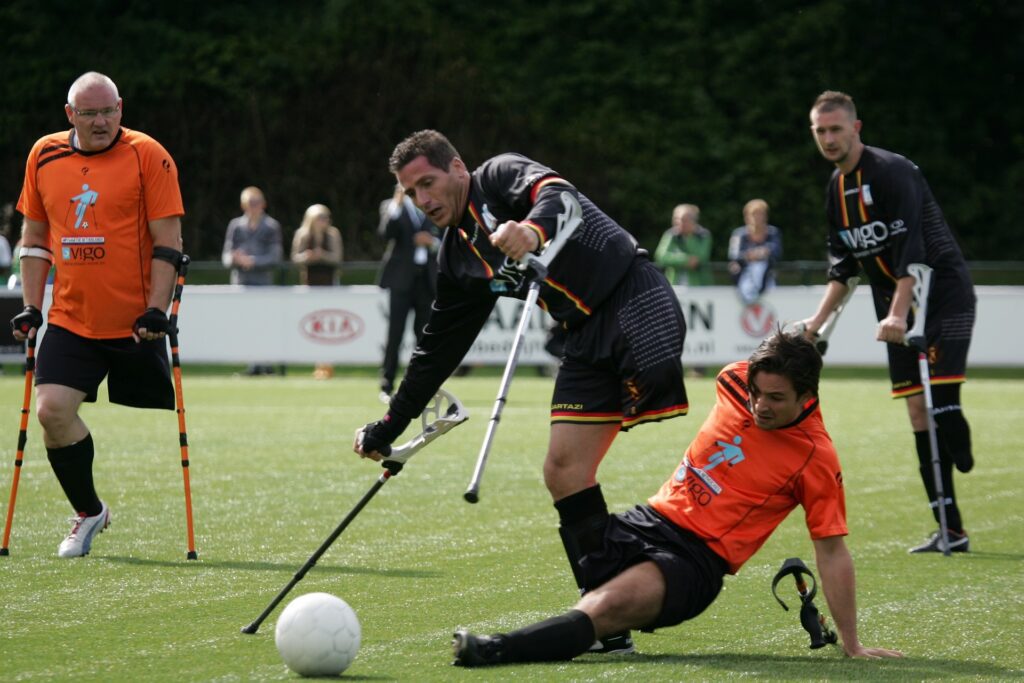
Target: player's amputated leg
column 953, row 431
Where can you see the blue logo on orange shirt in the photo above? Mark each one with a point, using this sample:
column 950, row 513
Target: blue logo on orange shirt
column 85, row 200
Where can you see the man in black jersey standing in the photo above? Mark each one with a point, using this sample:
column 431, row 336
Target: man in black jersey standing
column 882, row 217
column 622, row 363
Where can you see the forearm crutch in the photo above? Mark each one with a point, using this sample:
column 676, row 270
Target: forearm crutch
column 568, row 221
column 30, row 367
column 917, row 339
column 444, row 413
column 179, row 401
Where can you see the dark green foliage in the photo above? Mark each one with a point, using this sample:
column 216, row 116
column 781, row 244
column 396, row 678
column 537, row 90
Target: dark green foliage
column 643, row 105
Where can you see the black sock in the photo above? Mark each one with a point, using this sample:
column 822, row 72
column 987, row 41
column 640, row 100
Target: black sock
column 924, row 457
column 73, row 467
column 584, row 517
column 555, row 639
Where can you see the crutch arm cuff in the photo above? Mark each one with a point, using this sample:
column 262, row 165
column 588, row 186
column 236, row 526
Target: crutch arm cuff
column 36, row 252
column 168, row 254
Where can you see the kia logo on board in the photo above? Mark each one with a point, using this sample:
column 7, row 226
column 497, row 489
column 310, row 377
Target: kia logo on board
column 757, row 320
column 331, row 326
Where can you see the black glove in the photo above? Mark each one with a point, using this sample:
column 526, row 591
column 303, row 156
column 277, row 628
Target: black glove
column 154, row 320
column 28, row 319
column 378, row 436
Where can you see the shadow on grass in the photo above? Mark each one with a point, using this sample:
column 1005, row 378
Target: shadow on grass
column 348, row 677
column 811, row 667
column 982, row 555
column 271, row 566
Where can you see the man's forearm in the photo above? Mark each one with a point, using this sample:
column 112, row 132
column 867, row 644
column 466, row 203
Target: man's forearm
column 839, row 584
column 902, row 298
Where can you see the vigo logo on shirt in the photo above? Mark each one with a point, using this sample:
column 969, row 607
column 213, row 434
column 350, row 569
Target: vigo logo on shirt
column 82, row 250
column 698, row 482
column 870, row 237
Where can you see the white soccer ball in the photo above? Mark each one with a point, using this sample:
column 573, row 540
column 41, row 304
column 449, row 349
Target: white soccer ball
column 318, row 634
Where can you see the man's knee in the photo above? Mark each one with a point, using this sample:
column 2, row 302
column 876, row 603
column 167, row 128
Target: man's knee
column 565, row 475
column 918, row 412
column 632, row 599
column 56, row 410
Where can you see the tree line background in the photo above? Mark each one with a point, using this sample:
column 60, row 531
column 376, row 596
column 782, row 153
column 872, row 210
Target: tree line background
column 642, row 105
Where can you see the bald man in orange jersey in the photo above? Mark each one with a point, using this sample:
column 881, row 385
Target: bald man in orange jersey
column 102, row 204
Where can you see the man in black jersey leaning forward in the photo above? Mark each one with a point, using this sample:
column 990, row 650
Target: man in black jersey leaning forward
column 622, row 361
column 882, row 217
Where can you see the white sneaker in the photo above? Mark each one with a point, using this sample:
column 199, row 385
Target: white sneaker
column 79, row 541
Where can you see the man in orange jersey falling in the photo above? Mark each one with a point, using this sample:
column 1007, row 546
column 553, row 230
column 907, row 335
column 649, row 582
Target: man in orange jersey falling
column 102, row 204
column 762, row 451
column 883, row 217
column 622, row 361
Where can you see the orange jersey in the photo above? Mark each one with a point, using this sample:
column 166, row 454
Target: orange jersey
column 737, row 482
column 98, row 206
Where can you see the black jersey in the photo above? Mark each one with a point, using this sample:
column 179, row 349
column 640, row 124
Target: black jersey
column 472, row 273
column 882, row 218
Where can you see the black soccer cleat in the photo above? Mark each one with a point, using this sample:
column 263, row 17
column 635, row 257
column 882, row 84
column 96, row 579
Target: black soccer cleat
column 616, row 644
column 958, row 543
column 471, row 650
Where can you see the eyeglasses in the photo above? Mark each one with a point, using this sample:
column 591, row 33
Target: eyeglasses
column 106, row 112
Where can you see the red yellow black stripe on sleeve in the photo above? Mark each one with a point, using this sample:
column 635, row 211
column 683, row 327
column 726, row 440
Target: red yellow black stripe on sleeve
column 544, row 182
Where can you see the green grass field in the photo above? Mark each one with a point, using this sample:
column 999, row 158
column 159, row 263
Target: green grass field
column 273, row 474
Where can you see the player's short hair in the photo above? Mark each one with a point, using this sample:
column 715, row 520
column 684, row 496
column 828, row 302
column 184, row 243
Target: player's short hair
column 790, row 355
column 830, row 100
column 753, row 205
column 90, row 78
column 249, row 193
column 691, row 210
column 427, row 143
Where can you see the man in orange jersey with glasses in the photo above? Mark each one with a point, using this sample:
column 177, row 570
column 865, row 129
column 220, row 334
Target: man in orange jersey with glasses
column 762, row 451
column 882, row 218
column 622, row 362
column 101, row 204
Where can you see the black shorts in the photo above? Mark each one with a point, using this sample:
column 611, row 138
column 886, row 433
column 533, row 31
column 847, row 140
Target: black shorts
column 138, row 374
column 624, row 364
column 949, row 339
column 693, row 572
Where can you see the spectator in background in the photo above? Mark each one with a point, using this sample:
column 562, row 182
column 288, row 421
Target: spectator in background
column 252, row 246
column 684, row 252
column 317, row 250
column 6, row 256
column 408, row 272
column 252, row 250
column 753, row 250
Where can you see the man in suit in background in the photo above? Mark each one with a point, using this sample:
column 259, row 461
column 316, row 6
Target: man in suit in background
column 408, row 272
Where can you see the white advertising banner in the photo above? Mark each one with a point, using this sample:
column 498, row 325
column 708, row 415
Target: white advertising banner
column 348, row 326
